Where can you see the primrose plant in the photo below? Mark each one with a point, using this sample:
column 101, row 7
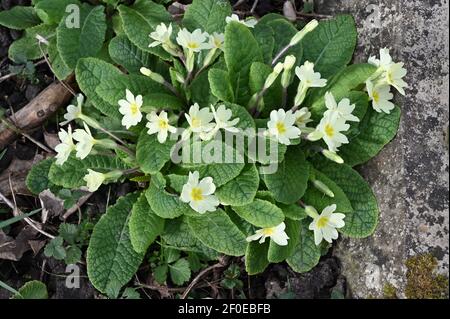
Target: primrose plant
column 239, row 136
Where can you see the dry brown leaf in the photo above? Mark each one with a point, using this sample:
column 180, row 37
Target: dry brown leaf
column 51, row 205
column 14, row 248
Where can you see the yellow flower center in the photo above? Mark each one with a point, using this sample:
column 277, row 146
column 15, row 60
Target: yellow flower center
column 134, row 108
column 163, row 124
column 376, row 96
column 281, row 128
column 329, row 130
column 322, row 222
column 196, row 122
column 193, row 45
column 196, row 194
column 268, row 231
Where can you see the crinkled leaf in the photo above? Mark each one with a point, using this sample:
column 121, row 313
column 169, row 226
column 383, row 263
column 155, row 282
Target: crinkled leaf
column 293, row 211
column 240, row 190
column 260, row 213
column 265, row 37
column 220, row 85
column 71, row 173
column 125, row 53
column 364, row 218
column 256, row 257
column 375, row 131
column 27, row 47
column 52, row 11
column 289, row 182
column 87, row 40
column 218, row 232
column 111, row 259
column 180, row 272
column 208, row 15
column 37, row 179
column 90, row 72
column 283, row 31
column 306, row 253
column 240, row 50
column 200, row 91
column 32, row 290
column 152, row 155
column 319, row 200
column 19, row 18
column 59, row 68
column 141, row 19
column 163, row 203
column 279, row 253
column 144, row 225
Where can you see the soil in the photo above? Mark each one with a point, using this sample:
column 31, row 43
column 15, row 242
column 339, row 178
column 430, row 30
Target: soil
column 278, row 281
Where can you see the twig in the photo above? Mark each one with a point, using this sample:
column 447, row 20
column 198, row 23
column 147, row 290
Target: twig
column 237, row 4
column 10, row 75
column 220, row 264
column 255, row 3
column 18, row 212
column 312, row 15
column 77, row 206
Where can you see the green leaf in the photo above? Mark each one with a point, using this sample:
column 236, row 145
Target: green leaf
column 52, row 11
column 73, row 255
column 216, row 231
column 126, row 54
column 144, row 225
column 163, row 203
column 306, row 254
column 158, row 101
column 283, row 31
column 32, row 290
column 277, row 253
column 55, row 249
column 111, row 259
column 220, row 85
column 240, row 190
column 258, row 75
column 260, row 213
column 208, row 15
column 256, row 257
column 160, row 273
column 265, row 37
column 319, row 200
column 180, row 271
column 363, row 220
column 37, row 179
column 27, row 47
column 245, row 119
column 113, row 90
column 215, row 159
column 293, row 211
column 90, row 72
column 152, row 155
column 177, row 233
column 201, row 92
column 289, row 182
column 19, row 18
column 85, row 41
column 375, row 131
column 240, row 50
column 71, row 173
column 348, row 79
column 361, row 101
column 141, row 19
column 330, row 46
column 69, row 232
column 59, row 68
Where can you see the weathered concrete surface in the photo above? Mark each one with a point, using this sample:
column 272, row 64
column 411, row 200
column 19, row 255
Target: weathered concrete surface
column 410, row 177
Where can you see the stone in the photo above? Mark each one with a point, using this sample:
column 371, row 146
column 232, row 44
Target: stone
column 410, row 177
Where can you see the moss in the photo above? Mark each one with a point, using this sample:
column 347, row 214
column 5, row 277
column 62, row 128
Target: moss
column 389, row 291
column 422, row 281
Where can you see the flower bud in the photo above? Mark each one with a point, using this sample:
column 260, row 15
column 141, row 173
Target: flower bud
column 323, row 188
column 311, row 211
column 332, row 156
column 301, row 34
column 314, row 136
column 153, row 75
column 273, row 76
